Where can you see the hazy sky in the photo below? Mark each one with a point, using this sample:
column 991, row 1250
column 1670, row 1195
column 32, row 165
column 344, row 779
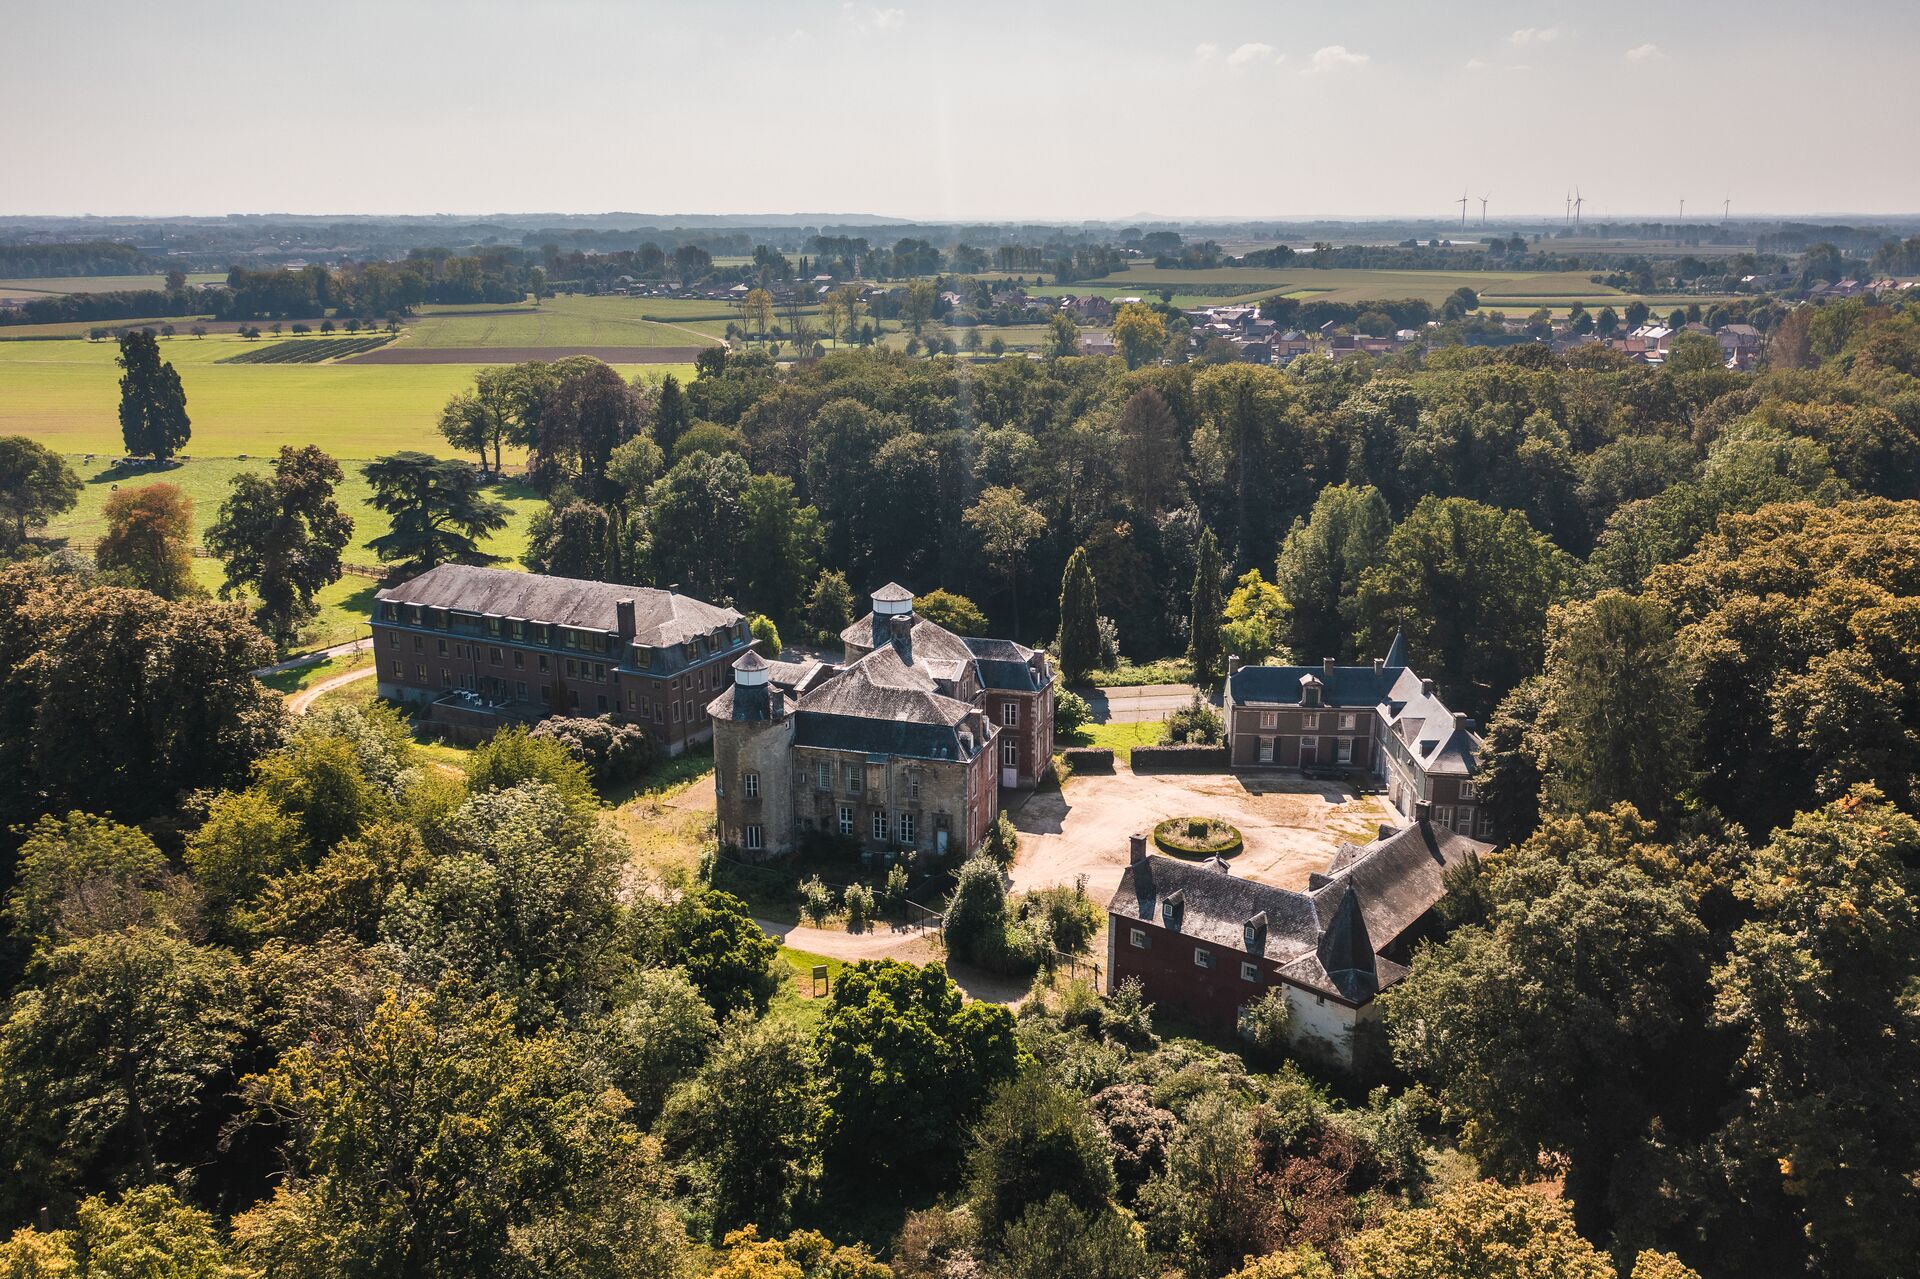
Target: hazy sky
column 983, row 109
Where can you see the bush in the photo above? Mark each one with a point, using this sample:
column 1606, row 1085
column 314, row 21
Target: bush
column 767, row 633
column 1070, row 712
column 611, row 752
column 1197, row 837
column 1058, row 918
column 513, row 755
column 976, row 926
column 1109, row 642
column 1001, row 843
column 893, row 894
column 859, row 902
column 1196, row 724
column 816, row 901
column 1264, row 1025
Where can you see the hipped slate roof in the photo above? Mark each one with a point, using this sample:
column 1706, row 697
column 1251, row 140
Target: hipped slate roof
column 1349, row 686
column 660, row 617
column 1327, row 939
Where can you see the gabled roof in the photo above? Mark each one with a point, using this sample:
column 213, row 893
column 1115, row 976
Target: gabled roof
column 1348, row 686
column 660, row 617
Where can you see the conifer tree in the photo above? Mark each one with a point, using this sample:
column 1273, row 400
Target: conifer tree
column 1204, row 647
column 1079, row 619
column 153, row 404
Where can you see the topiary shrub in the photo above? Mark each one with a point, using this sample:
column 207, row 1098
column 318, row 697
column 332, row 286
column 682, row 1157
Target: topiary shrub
column 613, row 753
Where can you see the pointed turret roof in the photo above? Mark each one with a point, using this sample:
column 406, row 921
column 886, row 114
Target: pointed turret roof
column 1397, row 651
column 1345, row 950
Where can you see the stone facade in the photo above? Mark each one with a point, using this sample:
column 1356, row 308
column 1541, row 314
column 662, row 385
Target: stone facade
column 903, row 745
column 1382, row 720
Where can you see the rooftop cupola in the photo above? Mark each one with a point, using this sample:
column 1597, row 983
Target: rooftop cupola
column 889, row 602
column 1309, row 689
column 751, row 700
column 750, row 670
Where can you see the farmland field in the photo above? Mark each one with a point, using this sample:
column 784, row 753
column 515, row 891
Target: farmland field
column 97, row 283
column 66, row 395
column 345, row 604
column 556, row 322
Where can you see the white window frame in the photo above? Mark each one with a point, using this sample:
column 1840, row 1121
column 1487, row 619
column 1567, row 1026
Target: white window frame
column 1010, row 754
column 750, row 785
column 755, row 839
column 1343, row 751
column 879, row 824
column 1443, row 815
column 1469, row 792
column 823, row 775
column 1310, row 722
column 1249, row 971
column 1010, row 714
column 1203, row 958
column 1349, row 721
column 906, row 826
column 1138, row 939
column 846, row 819
column 1269, row 719
column 854, row 779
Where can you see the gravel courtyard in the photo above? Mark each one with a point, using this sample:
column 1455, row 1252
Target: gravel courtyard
column 1291, row 826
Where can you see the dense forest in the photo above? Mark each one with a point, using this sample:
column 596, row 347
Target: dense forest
column 291, row 998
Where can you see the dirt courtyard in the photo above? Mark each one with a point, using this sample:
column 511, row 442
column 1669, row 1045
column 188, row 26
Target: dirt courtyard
column 1291, row 826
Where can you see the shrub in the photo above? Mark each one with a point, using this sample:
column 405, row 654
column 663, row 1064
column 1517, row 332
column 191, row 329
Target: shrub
column 893, row 894
column 1070, row 712
column 611, row 752
column 1196, row 724
column 767, row 633
column 514, row 755
column 1109, row 633
column 977, row 913
column 1197, row 837
column 1264, row 1025
column 816, row 901
column 859, row 902
column 1059, row 918
column 1001, row 843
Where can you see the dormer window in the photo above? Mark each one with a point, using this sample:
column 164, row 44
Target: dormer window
column 1254, row 934
column 1172, row 908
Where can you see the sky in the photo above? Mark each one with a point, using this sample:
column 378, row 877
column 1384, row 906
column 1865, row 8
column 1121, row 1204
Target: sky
column 1044, row 110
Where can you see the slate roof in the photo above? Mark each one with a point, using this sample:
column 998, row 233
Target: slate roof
column 882, row 736
column 1327, row 939
column 1349, row 686
column 1006, row 666
column 1426, row 727
column 661, row 617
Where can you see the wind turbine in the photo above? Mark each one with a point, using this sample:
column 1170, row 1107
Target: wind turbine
column 1568, row 216
column 1483, row 208
column 1463, row 208
column 1578, row 200
column 1683, row 208
column 1726, row 208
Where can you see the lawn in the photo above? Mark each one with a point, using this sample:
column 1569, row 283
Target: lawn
column 793, row 998
column 1170, row 670
column 345, row 604
column 292, row 681
column 1118, row 738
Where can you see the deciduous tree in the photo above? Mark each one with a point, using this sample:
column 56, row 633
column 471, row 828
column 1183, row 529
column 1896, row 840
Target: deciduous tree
column 153, row 403
column 281, row 538
column 149, row 539
column 36, row 484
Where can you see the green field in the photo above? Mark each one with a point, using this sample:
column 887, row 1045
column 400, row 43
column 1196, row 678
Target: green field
column 98, row 283
column 66, row 395
column 344, row 605
column 558, row 322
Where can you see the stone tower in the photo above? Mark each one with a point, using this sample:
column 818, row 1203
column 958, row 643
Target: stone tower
column 752, row 760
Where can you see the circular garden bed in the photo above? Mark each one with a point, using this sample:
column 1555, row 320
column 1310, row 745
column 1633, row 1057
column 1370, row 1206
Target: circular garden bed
column 1197, row 837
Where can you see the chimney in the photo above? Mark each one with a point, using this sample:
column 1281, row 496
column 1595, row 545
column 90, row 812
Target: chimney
column 1461, row 722
column 1426, row 688
column 1423, row 811
column 1326, row 668
column 624, row 609
column 1379, row 666
column 1136, row 849
column 1233, row 665
column 776, row 702
column 900, row 634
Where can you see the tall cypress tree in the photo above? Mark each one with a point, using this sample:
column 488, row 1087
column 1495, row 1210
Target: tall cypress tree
column 1204, row 648
column 671, row 415
column 1079, row 619
column 153, row 404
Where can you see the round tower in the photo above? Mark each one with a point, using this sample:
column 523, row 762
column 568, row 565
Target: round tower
column 753, row 761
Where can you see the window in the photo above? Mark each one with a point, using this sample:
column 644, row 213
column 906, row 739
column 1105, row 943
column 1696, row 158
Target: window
column 599, row 672
column 419, row 644
column 676, row 712
column 1444, row 814
column 393, row 639
column 913, row 786
column 399, row 670
column 1310, row 721
column 846, row 820
column 1010, row 754
column 1010, row 714
column 600, row 702
column 1343, row 751
column 753, row 837
column 1468, row 791
column 1249, row 972
column 823, row 775
column 1269, row 719
column 879, row 824
column 446, row 678
column 543, row 663
column 750, row 784
column 519, row 660
column 1202, row 957
column 442, row 646
column 420, row 671
column 493, row 655
column 517, row 627
column 493, row 626
column 520, row 689
column 1137, row 938
column 906, row 828
column 853, row 779
column 1347, row 721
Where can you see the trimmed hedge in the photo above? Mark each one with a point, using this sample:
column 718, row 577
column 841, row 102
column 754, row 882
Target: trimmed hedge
column 1151, row 759
column 1088, row 759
